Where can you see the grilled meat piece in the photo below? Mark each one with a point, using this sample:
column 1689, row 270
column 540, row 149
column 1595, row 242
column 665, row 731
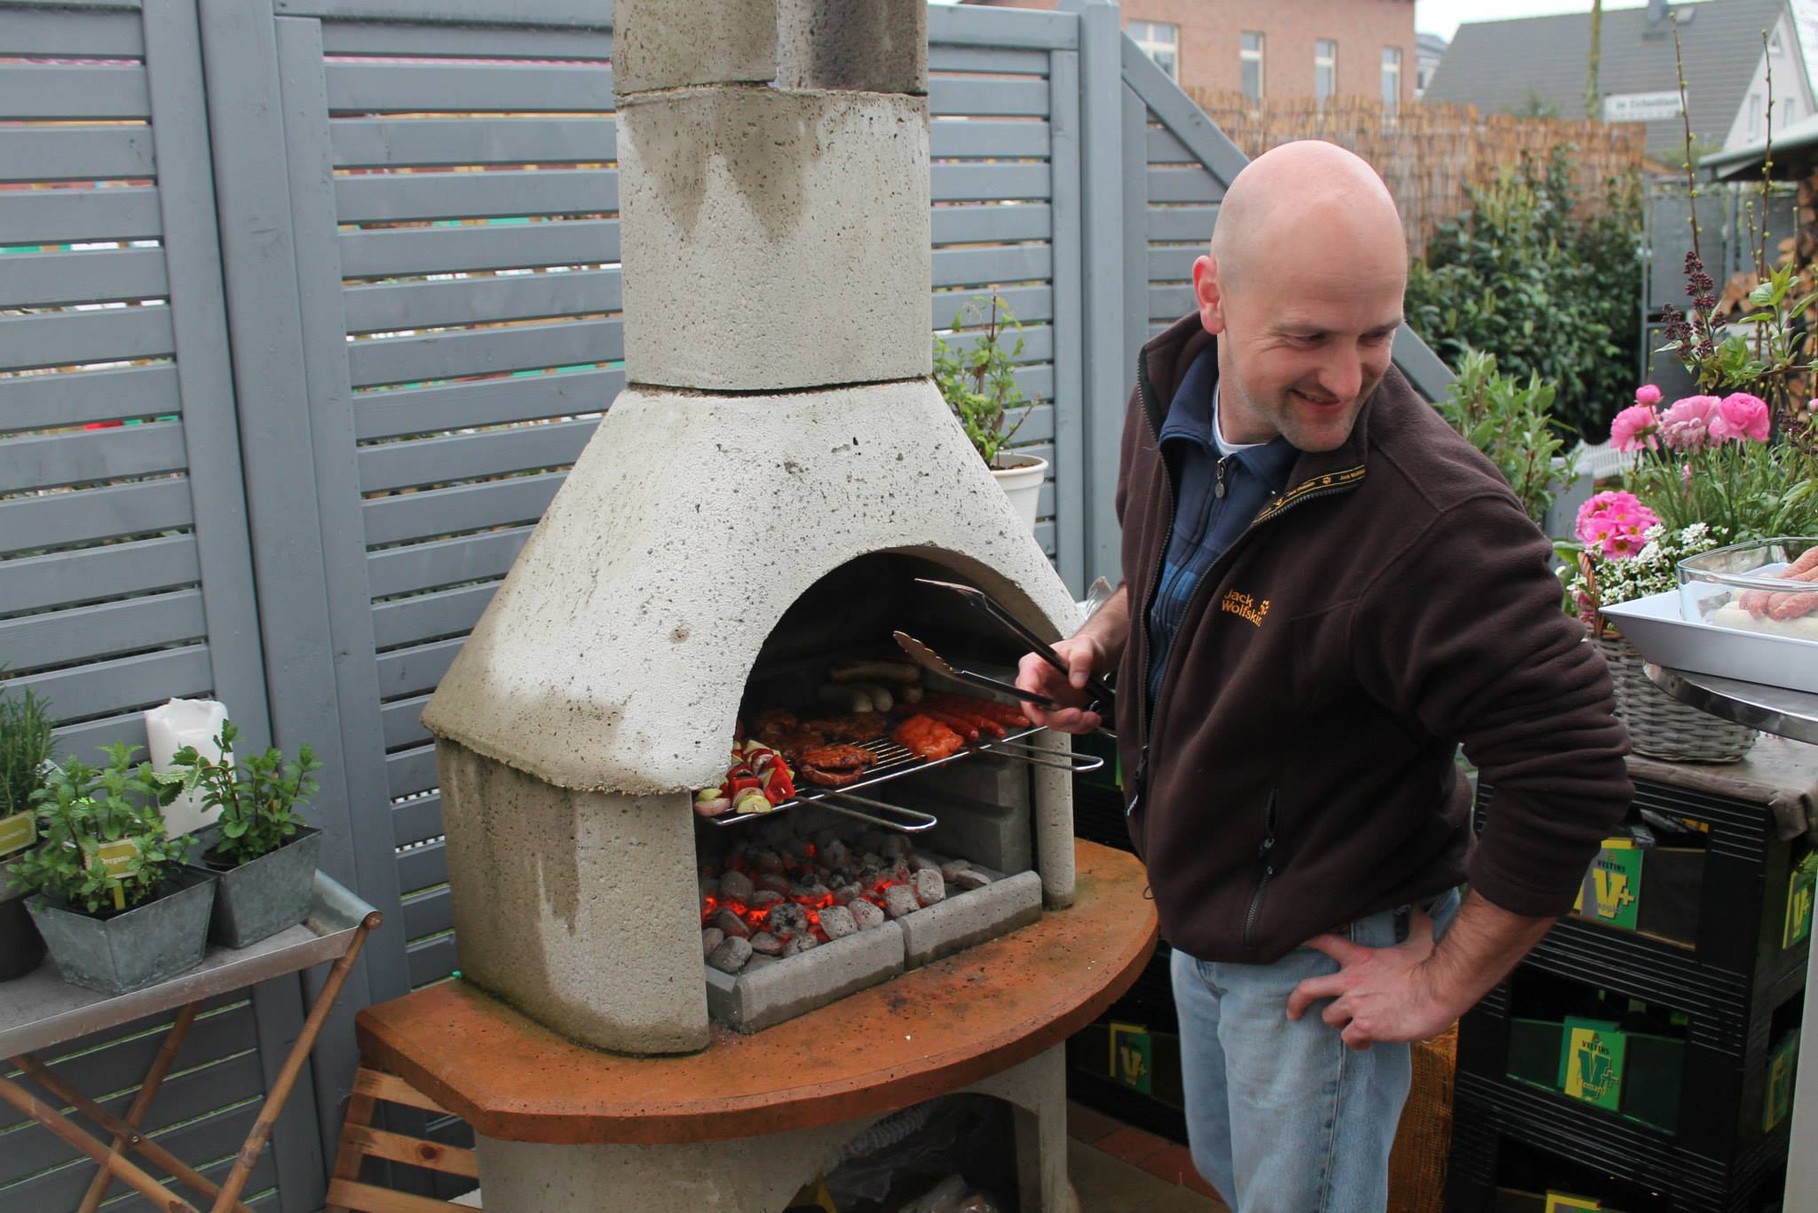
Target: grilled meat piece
column 926, row 737
column 834, row 766
column 854, row 727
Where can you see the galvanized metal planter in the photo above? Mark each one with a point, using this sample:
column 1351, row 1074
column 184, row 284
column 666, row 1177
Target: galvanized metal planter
column 133, row 950
column 262, row 896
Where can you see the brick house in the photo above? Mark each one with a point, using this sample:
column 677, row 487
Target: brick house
column 1275, row 48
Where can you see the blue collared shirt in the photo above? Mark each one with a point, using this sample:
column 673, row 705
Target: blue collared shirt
column 1206, row 520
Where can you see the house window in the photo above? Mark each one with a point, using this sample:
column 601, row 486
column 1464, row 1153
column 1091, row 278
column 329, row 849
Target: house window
column 1325, row 69
column 1250, row 56
column 1754, row 115
column 1774, row 42
column 1391, row 79
column 1161, row 42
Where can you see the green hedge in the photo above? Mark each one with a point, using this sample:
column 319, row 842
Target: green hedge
column 1549, row 292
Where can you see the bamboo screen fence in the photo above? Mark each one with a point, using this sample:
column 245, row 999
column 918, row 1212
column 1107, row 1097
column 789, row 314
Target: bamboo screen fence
column 1427, row 154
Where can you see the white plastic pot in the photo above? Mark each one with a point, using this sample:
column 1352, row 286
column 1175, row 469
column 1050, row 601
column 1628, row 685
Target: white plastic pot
column 1021, row 476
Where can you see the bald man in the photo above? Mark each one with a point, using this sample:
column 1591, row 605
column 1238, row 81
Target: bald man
column 1334, row 591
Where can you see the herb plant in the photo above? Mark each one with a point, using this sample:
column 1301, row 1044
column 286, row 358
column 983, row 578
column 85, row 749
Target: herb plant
column 979, row 383
column 1512, row 424
column 25, row 745
column 258, row 795
column 80, row 811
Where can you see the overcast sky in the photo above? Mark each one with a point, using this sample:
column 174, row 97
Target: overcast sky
column 1442, row 16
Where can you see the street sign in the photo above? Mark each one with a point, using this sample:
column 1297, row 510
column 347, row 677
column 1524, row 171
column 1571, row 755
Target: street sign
column 1641, row 107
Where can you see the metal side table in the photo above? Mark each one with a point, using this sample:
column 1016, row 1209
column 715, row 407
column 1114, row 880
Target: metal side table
column 1794, row 714
column 43, row 1010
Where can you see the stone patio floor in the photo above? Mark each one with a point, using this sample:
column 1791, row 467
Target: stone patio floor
column 1117, row 1168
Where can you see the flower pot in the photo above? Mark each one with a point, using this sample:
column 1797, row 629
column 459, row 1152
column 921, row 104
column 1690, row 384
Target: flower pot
column 262, row 896
column 21, row 947
column 1021, row 476
column 134, row 949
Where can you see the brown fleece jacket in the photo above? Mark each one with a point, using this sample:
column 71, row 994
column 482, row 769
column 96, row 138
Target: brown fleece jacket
column 1298, row 770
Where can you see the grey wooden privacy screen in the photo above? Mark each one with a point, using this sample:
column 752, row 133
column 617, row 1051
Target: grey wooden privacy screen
column 347, row 270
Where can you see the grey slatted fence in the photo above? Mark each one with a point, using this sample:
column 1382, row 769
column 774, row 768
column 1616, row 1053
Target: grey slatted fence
column 416, row 268
column 125, row 567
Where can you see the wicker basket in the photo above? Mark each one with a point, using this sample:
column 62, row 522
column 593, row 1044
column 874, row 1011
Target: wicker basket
column 1423, row 1141
column 1659, row 725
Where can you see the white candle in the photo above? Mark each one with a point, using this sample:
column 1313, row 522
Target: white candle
column 168, row 729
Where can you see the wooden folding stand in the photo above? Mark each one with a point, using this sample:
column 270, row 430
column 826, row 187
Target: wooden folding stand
column 360, row 1141
column 42, row 1011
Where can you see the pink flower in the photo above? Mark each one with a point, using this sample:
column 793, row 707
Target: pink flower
column 1614, row 522
column 1647, row 394
column 1635, row 426
column 1685, row 426
column 1812, row 405
column 1740, row 417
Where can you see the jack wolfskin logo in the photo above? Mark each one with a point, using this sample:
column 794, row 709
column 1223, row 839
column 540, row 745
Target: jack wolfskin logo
column 1245, row 607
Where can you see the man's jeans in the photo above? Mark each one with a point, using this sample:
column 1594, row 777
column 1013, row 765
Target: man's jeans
column 1281, row 1115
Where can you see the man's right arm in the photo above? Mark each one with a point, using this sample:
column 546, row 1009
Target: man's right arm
column 1095, row 649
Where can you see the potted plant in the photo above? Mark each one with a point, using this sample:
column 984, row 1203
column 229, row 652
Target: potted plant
column 115, row 903
column 979, row 385
column 1734, row 463
column 263, row 853
column 1512, row 423
column 25, row 748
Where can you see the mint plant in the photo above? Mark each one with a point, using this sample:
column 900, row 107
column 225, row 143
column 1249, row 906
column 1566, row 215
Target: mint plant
column 101, row 843
column 258, row 795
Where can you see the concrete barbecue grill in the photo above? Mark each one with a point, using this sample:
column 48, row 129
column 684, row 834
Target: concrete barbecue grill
column 761, row 497
column 780, row 436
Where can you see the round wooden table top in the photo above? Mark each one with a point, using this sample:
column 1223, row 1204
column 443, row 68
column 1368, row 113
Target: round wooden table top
column 927, row 1033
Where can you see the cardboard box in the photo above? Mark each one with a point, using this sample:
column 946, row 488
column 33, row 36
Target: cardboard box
column 1534, row 1048
column 1655, row 891
column 1651, row 1080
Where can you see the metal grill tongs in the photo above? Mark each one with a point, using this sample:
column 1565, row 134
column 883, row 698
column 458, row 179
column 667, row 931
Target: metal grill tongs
column 1104, row 699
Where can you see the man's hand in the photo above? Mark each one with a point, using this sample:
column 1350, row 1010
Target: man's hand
column 1414, row 990
column 1094, row 650
column 1381, row 995
column 1084, row 657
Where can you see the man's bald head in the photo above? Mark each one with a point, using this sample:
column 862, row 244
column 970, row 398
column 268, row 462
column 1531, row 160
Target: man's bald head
column 1306, row 199
column 1303, row 289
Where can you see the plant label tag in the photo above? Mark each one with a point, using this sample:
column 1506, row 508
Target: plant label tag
column 116, row 857
column 17, row 832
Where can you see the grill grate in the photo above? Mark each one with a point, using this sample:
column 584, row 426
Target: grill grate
column 893, row 762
